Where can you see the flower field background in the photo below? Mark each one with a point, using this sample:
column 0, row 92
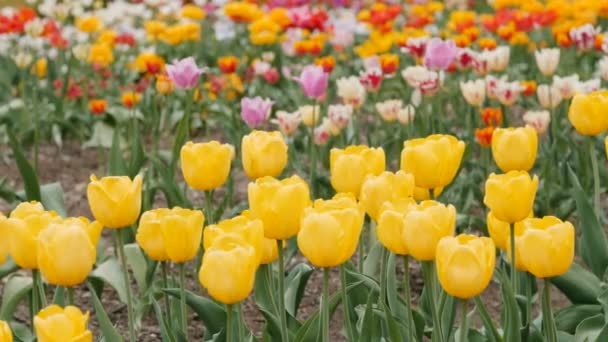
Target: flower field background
column 303, row 170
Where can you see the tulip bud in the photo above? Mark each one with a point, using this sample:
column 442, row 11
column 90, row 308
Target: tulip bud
column 385, row 187
column 514, row 148
column 547, row 60
column 310, row 114
column 228, row 269
column 206, row 166
column 350, row 166
column 250, row 230
column 546, row 246
column 425, row 224
column 465, row 264
column 330, row 231
column 264, row 154
column 68, row 324
column 434, row 160
column 589, row 113
column 474, row 91
column 115, row 201
column 279, row 204
column 510, row 196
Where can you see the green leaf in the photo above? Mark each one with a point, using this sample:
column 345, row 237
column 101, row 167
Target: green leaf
column 447, row 313
column 110, row 273
column 370, row 265
column 30, row 180
column 486, row 319
column 395, row 305
column 21, row 332
column 107, row 328
column 14, row 291
column 53, row 198
column 512, row 319
column 263, row 290
column 8, row 267
column 593, row 242
column 137, row 154
column 211, row 313
column 367, row 322
column 592, row 329
column 568, row 318
column 59, row 296
column 368, row 281
column 579, row 285
column 564, row 337
column 138, row 264
column 117, row 165
column 295, row 284
column 165, row 330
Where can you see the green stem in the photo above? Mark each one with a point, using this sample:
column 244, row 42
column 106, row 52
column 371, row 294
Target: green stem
column 229, row 323
column 282, row 316
column 313, row 155
column 513, row 268
column 350, row 332
column 382, row 282
column 209, row 206
column 164, row 266
column 408, row 298
column 429, row 283
column 487, row 320
column 125, row 274
column 41, row 292
column 35, row 301
column 241, row 321
column 182, row 298
column 548, row 320
column 596, row 177
column 325, row 306
column 464, row 328
column 71, row 300
column 360, row 254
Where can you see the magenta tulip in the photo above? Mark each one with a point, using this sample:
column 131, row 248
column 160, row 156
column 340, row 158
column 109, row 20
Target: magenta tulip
column 184, row 73
column 313, row 81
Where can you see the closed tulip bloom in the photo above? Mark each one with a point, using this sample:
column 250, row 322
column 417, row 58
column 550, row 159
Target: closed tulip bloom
column 588, row 113
column 5, row 332
column 24, row 225
column 149, row 234
column 250, row 230
column 330, row 231
column 422, row 194
column 279, row 204
column 465, row 264
column 115, row 201
column 514, row 148
column 425, row 224
column 182, row 231
column 391, row 225
column 228, row 269
column 474, row 92
column 510, row 196
column 386, row 187
column 313, row 81
column 92, row 229
column 549, row 97
column 57, row 324
column 434, row 160
column 185, row 73
column 349, row 167
column 500, row 231
column 546, row 246
column 66, row 254
column 264, row 154
column 206, row 166
column 547, row 60
column 270, row 251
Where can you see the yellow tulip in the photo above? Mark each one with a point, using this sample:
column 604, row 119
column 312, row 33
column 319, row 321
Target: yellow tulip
column 5, row 332
column 25, row 224
column 250, row 230
column 588, row 113
column 264, row 154
column 279, row 204
column 510, row 196
column 57, row 324
column 228, row 269
column 149, row 234
column 66, row 254
column 391, row 225
column 500, row 231
column 206, row 165
column 425, row 224
column 465, row 264
column 350, row 166
column 514, row 148
column 4, row 241
column 115, row 201
column 434, row 160
column 182, row 231
column 546, row 246
column 270, row 251
column 330, row 231
column 92, row 229
column 422, row 194
column 386, row 187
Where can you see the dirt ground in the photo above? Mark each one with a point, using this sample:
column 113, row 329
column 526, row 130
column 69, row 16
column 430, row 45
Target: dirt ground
column 72, row 166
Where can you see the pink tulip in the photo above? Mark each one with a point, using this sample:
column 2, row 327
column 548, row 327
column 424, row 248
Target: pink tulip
column 313, row 81
column 184, row 73
column 254, row 111
column 439, row 53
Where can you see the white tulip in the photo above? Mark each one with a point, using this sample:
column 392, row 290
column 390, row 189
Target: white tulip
column 548, row 96
column 351, row 91
column 547, row 60
column 474, row 91
column 389, row 109
column 539, row 120
column 407, row 114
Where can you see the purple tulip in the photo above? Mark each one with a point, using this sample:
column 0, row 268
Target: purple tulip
column 184, row 73
column 254, row 111
column 439, row 53
column 313, row 81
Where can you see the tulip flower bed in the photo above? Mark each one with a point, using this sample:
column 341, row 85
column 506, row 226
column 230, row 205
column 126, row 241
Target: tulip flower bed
column 304, row 171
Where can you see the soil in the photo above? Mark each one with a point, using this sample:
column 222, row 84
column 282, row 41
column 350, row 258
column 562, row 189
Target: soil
column 72, row 166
